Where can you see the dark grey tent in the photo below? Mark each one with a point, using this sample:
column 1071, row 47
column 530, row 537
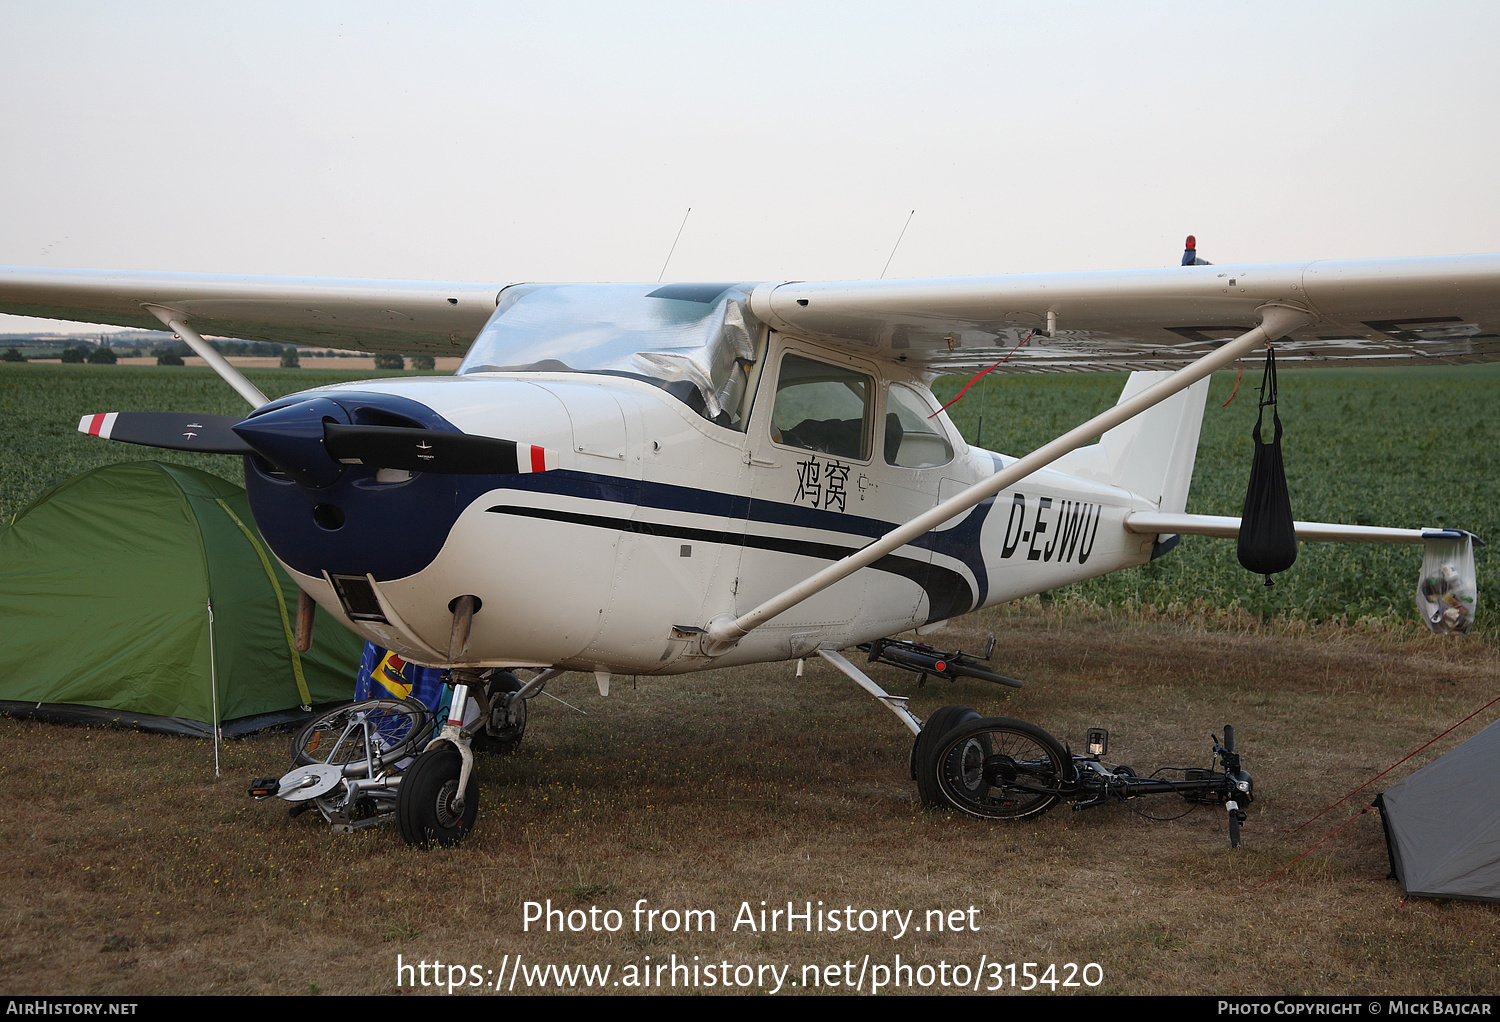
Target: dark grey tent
column 1442, row 824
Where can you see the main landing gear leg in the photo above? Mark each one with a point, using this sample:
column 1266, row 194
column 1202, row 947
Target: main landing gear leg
column 924, row 748
column 896, row 704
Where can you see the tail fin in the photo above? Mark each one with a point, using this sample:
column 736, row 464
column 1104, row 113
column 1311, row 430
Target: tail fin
column 1151, row 454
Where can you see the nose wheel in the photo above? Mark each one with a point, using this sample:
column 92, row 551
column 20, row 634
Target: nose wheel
column 428, row 809
column 439, row 797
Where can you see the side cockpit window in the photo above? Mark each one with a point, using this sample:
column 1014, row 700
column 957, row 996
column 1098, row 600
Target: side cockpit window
column 912, row 440
column 824, row 408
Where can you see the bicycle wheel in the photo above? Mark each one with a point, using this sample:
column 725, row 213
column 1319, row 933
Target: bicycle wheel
column 1002, row 769
column 395, row 728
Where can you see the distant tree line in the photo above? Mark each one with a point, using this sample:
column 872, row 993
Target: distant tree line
column 397, row 362
column 81, row 353
column 173, row 353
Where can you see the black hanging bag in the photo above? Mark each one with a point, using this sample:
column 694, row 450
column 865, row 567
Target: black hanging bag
column 1268, row 540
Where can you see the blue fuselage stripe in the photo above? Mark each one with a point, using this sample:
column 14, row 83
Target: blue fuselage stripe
column 377, row 538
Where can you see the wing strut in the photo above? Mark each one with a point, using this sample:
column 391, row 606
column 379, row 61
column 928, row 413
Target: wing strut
column 1276, row 321
column 217, row 362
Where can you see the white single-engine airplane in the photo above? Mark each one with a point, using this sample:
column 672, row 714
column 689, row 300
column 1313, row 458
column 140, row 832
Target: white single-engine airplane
column 659, row 479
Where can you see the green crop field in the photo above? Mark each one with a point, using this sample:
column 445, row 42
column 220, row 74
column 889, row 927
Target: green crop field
column 40, row 405
column 134, row 869
column 1407, row 448
column 1398, row 447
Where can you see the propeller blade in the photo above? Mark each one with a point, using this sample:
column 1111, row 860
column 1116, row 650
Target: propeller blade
column 174, row 431
column 432, row 450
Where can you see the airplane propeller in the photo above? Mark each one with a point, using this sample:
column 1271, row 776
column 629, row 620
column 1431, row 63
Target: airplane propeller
column 307, row 441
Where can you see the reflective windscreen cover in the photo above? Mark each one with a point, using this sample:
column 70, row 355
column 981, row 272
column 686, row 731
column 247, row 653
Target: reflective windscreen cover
column 694, row 340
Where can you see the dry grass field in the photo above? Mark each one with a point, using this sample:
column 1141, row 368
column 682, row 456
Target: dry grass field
column 128, row 869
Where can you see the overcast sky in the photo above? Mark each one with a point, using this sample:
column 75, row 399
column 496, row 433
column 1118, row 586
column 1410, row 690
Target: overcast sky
column 564, row 141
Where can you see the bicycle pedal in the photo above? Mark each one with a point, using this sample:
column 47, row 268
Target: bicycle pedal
column 264, row 787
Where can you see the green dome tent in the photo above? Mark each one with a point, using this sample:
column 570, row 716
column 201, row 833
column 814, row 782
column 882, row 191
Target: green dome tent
column 142, row 594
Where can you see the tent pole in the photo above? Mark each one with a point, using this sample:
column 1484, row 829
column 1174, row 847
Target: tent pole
column 213, row 684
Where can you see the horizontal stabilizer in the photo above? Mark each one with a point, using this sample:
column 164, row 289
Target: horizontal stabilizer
column 173, row 431
column 1146, row 523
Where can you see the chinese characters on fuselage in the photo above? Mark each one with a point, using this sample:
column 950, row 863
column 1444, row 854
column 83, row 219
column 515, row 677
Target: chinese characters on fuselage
column 822, row 485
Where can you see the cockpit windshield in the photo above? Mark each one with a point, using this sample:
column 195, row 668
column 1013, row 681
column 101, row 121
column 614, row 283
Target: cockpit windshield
column 696, row 341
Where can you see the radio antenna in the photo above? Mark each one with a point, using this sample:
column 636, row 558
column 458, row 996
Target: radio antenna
column 675, row 240
column 897, row 244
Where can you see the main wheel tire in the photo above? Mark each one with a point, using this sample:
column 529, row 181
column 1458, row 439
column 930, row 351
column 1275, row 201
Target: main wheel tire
column 397, row 727
column 424, row 802
column 992, row 768
column 943, row 720
column 500, row 736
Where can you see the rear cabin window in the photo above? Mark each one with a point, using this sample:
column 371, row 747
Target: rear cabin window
column 824, row 408
column 912, row 440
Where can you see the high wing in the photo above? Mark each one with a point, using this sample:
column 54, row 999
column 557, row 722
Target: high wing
column 397, row 316
column 1373, row 312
